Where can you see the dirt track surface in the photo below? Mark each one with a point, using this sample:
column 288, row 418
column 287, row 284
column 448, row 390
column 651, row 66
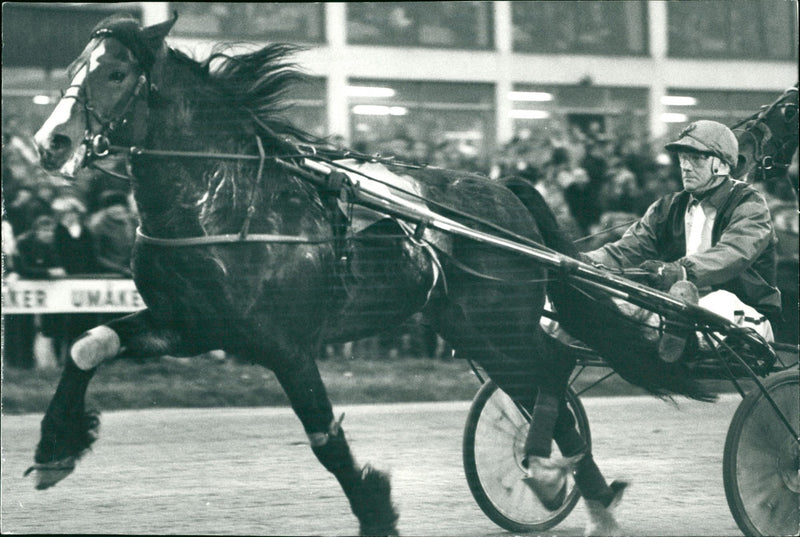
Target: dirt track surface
column 250, row 471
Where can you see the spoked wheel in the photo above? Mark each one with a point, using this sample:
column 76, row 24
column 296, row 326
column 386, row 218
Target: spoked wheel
column 494, row 438
column 762, row 460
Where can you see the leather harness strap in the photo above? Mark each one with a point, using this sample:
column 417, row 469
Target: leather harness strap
column 233, row 238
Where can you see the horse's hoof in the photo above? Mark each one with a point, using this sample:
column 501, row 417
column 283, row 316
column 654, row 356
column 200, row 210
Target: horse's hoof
column 375, row 510
column 548, row 481
column 49, row 473
column 618, row 489
column 601, row 520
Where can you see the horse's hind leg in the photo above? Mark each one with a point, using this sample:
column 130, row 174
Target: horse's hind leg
column 68, row 429
column 367, row 490
column 600, row 497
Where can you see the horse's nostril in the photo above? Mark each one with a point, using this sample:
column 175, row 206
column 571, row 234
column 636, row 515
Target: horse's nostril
column 60, row 143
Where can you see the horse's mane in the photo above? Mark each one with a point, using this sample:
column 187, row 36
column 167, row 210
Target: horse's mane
column 250, row 86
column 228, row 99
column 230, row 103
column 255, row 84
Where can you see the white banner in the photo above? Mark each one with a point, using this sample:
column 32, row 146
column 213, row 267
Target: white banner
column 70, row 296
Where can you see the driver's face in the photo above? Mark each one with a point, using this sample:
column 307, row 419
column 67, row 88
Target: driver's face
column 696, row 172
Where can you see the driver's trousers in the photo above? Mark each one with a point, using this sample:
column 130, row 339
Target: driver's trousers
column 721, row 302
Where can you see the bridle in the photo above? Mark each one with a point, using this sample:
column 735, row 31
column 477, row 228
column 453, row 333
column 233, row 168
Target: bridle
column 757, row 122
column 98, row 144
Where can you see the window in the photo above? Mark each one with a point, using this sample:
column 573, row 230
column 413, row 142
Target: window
column 569, row 27
column 308, row 110
column 267, row 21
column 763, row 30
column 465, row 25
column 561, row 111
column 448, row 124
column 50, row 36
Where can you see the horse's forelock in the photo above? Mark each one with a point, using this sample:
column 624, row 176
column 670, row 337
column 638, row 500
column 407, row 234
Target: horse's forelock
column 127, row 30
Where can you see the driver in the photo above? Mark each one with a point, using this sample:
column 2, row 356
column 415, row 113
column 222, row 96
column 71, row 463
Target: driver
column 711, row 243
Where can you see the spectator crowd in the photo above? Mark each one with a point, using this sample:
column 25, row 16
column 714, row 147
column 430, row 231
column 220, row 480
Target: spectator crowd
column 55, row 229
column 594, row 183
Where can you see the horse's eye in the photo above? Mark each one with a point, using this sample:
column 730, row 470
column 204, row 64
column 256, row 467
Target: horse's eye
column 789, row 112
column 117, row 76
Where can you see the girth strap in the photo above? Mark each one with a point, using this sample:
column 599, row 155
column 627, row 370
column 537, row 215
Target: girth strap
column 233, row 238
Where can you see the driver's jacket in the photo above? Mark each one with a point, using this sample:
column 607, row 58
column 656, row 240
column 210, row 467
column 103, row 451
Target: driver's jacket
column 742, row 258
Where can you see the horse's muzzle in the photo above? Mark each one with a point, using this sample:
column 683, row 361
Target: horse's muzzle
column 54, row 150
column 56, row 153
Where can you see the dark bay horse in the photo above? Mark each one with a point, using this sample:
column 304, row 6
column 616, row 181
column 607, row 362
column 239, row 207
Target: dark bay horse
column 294, row 276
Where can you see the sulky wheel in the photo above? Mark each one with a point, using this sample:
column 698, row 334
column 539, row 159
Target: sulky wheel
column 762, row 460
column 494, row 437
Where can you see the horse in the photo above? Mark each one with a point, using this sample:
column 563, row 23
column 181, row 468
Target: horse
column 237, row 250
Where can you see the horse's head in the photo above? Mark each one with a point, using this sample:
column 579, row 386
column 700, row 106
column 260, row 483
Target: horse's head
column 106, row 101
column 768, row 139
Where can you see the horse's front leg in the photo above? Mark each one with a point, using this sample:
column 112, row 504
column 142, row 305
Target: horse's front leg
column 367, row 489
column 68, row 429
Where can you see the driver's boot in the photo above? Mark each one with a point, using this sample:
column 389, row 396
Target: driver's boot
column 672, row 344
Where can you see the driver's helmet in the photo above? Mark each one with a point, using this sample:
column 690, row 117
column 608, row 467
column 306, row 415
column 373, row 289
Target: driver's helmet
column 711, row 137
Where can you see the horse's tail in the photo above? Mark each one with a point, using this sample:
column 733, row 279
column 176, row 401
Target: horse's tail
column 592, row 317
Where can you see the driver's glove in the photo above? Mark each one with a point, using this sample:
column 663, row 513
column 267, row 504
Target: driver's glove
column 661, row 275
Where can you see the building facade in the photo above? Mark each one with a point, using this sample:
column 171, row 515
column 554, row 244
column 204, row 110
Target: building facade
column 477, row 73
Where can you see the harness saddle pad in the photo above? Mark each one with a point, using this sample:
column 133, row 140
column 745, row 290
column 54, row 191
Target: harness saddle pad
column 381, row 180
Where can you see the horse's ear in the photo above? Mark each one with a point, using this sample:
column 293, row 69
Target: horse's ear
column 741, row 163
column 154, row 35
column 742, row 168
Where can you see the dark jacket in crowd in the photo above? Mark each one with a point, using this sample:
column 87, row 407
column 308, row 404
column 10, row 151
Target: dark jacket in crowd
column 22, row 212
column 77, row 254
column 35, row 257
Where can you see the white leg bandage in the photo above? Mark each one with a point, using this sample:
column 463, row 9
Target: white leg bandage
column 94, row 346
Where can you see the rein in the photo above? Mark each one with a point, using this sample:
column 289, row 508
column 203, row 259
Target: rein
column 234, row 238
column 312, row 168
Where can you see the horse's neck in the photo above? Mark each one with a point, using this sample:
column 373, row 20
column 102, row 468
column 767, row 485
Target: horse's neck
column 166, row 189
column 161, row 214
column 180, row 196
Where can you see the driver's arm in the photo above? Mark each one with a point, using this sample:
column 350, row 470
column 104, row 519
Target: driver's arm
column 636, row 245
